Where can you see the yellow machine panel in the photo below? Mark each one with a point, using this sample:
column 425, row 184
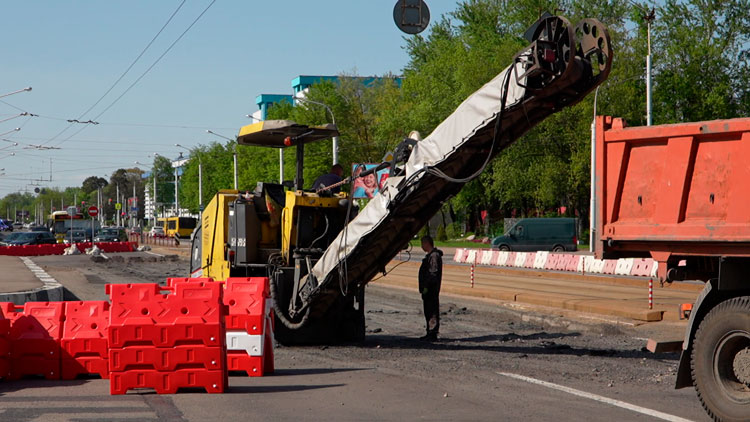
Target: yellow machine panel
column 214, row 235
column 294, row 200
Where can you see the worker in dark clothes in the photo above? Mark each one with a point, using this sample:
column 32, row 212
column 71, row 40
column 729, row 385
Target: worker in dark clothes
column 430, row 277
column 332, row 177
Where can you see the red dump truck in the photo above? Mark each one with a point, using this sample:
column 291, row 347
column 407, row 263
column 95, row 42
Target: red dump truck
column 680, row 194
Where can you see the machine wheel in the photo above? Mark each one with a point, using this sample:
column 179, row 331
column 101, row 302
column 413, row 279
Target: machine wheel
column 558, row 248
column 504, row 248
column 720, row 360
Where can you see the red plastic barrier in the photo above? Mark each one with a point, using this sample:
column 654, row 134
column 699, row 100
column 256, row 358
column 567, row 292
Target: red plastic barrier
column 188, row 303
column 552, row 260
column 35, row 333
column 165, row 359
column 562, row 263
column 609, row 266
column 167, row 338
column 143, row 332
column 246, row 299
column 642, row 267
column 168, row 382
column 573, row 263
column 4, row 347
column 529, row 263
column 84, row 341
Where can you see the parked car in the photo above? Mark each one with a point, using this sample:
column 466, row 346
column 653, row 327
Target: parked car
column 157, row 231
column 38, row 229
column 7, row 237
column 5, row 226
column 539, row 234
column 111, row 234
column 31, row 238
column 76, row 236
column 17, row 225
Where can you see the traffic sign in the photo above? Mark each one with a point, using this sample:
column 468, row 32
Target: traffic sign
column 93, row 211
column 118, row 206
column 71, row 210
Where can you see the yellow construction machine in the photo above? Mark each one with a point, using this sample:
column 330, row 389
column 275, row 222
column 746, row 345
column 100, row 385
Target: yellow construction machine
column 320, row 251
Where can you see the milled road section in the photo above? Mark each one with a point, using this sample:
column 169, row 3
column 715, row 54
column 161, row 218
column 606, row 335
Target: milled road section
column 393, row 375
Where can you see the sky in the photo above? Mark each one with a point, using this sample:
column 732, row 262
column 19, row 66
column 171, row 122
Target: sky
column 72, row 52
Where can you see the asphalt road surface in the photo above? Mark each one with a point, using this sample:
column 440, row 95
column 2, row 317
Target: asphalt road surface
column 493, row 362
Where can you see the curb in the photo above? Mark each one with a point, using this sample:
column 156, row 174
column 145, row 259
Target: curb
column 51, row 290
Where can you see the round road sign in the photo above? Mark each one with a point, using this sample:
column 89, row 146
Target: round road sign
column 93, row 211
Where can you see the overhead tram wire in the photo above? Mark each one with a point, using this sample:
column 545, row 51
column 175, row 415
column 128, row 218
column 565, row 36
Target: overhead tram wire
column 143, row 74
column 123, row 73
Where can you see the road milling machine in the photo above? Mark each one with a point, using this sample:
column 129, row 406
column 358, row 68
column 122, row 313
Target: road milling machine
column 319, row 250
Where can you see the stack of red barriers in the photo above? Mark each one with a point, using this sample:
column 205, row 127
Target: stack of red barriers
column 249, row 326
column 167, row 341
column 4, row 347
column 186, row 335
column 35, row 334
column 249, row 323
column 84, row 343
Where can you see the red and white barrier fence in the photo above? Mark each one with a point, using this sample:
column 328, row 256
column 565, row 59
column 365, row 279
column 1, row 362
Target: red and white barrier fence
column 639, row 267
column 59, row 248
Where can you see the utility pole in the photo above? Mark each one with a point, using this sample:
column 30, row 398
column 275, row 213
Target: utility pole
column 235, row 166
column 117, row 201
column 200, row 186
column 649, row 18
column 176, row 190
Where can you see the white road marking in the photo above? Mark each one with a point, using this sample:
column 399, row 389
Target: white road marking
column 153, row 253
column 595, row 397
column 46, row 279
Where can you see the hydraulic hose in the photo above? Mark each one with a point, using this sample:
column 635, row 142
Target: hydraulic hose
column 282, row 316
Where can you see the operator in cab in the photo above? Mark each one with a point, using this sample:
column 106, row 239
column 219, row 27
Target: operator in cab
column 332, row 177
column 430, row 278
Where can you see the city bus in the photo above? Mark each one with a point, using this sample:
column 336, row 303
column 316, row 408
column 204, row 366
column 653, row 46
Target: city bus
column 60, row 222
column 180, row 226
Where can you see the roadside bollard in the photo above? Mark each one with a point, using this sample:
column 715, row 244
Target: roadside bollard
column 472, row 271
column 650, row 293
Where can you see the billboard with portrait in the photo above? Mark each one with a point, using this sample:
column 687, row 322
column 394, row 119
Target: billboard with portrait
column 368, row 186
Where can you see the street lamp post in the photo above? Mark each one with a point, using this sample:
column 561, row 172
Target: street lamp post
column 234, row 158
column 28, row 88
column 152, row 216
column 281, row 153
column 335, row 146
column 10, row 131
column 200, row 179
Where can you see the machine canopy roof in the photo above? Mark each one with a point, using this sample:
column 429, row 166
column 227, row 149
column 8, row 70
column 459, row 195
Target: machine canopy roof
column 272, row 133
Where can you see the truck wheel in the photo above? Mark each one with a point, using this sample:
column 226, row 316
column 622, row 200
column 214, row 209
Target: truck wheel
column 721, row 360
column 558, row 248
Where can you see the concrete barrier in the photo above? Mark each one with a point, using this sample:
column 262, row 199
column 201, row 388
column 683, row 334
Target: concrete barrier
column 486, row 257
column 511, row 259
